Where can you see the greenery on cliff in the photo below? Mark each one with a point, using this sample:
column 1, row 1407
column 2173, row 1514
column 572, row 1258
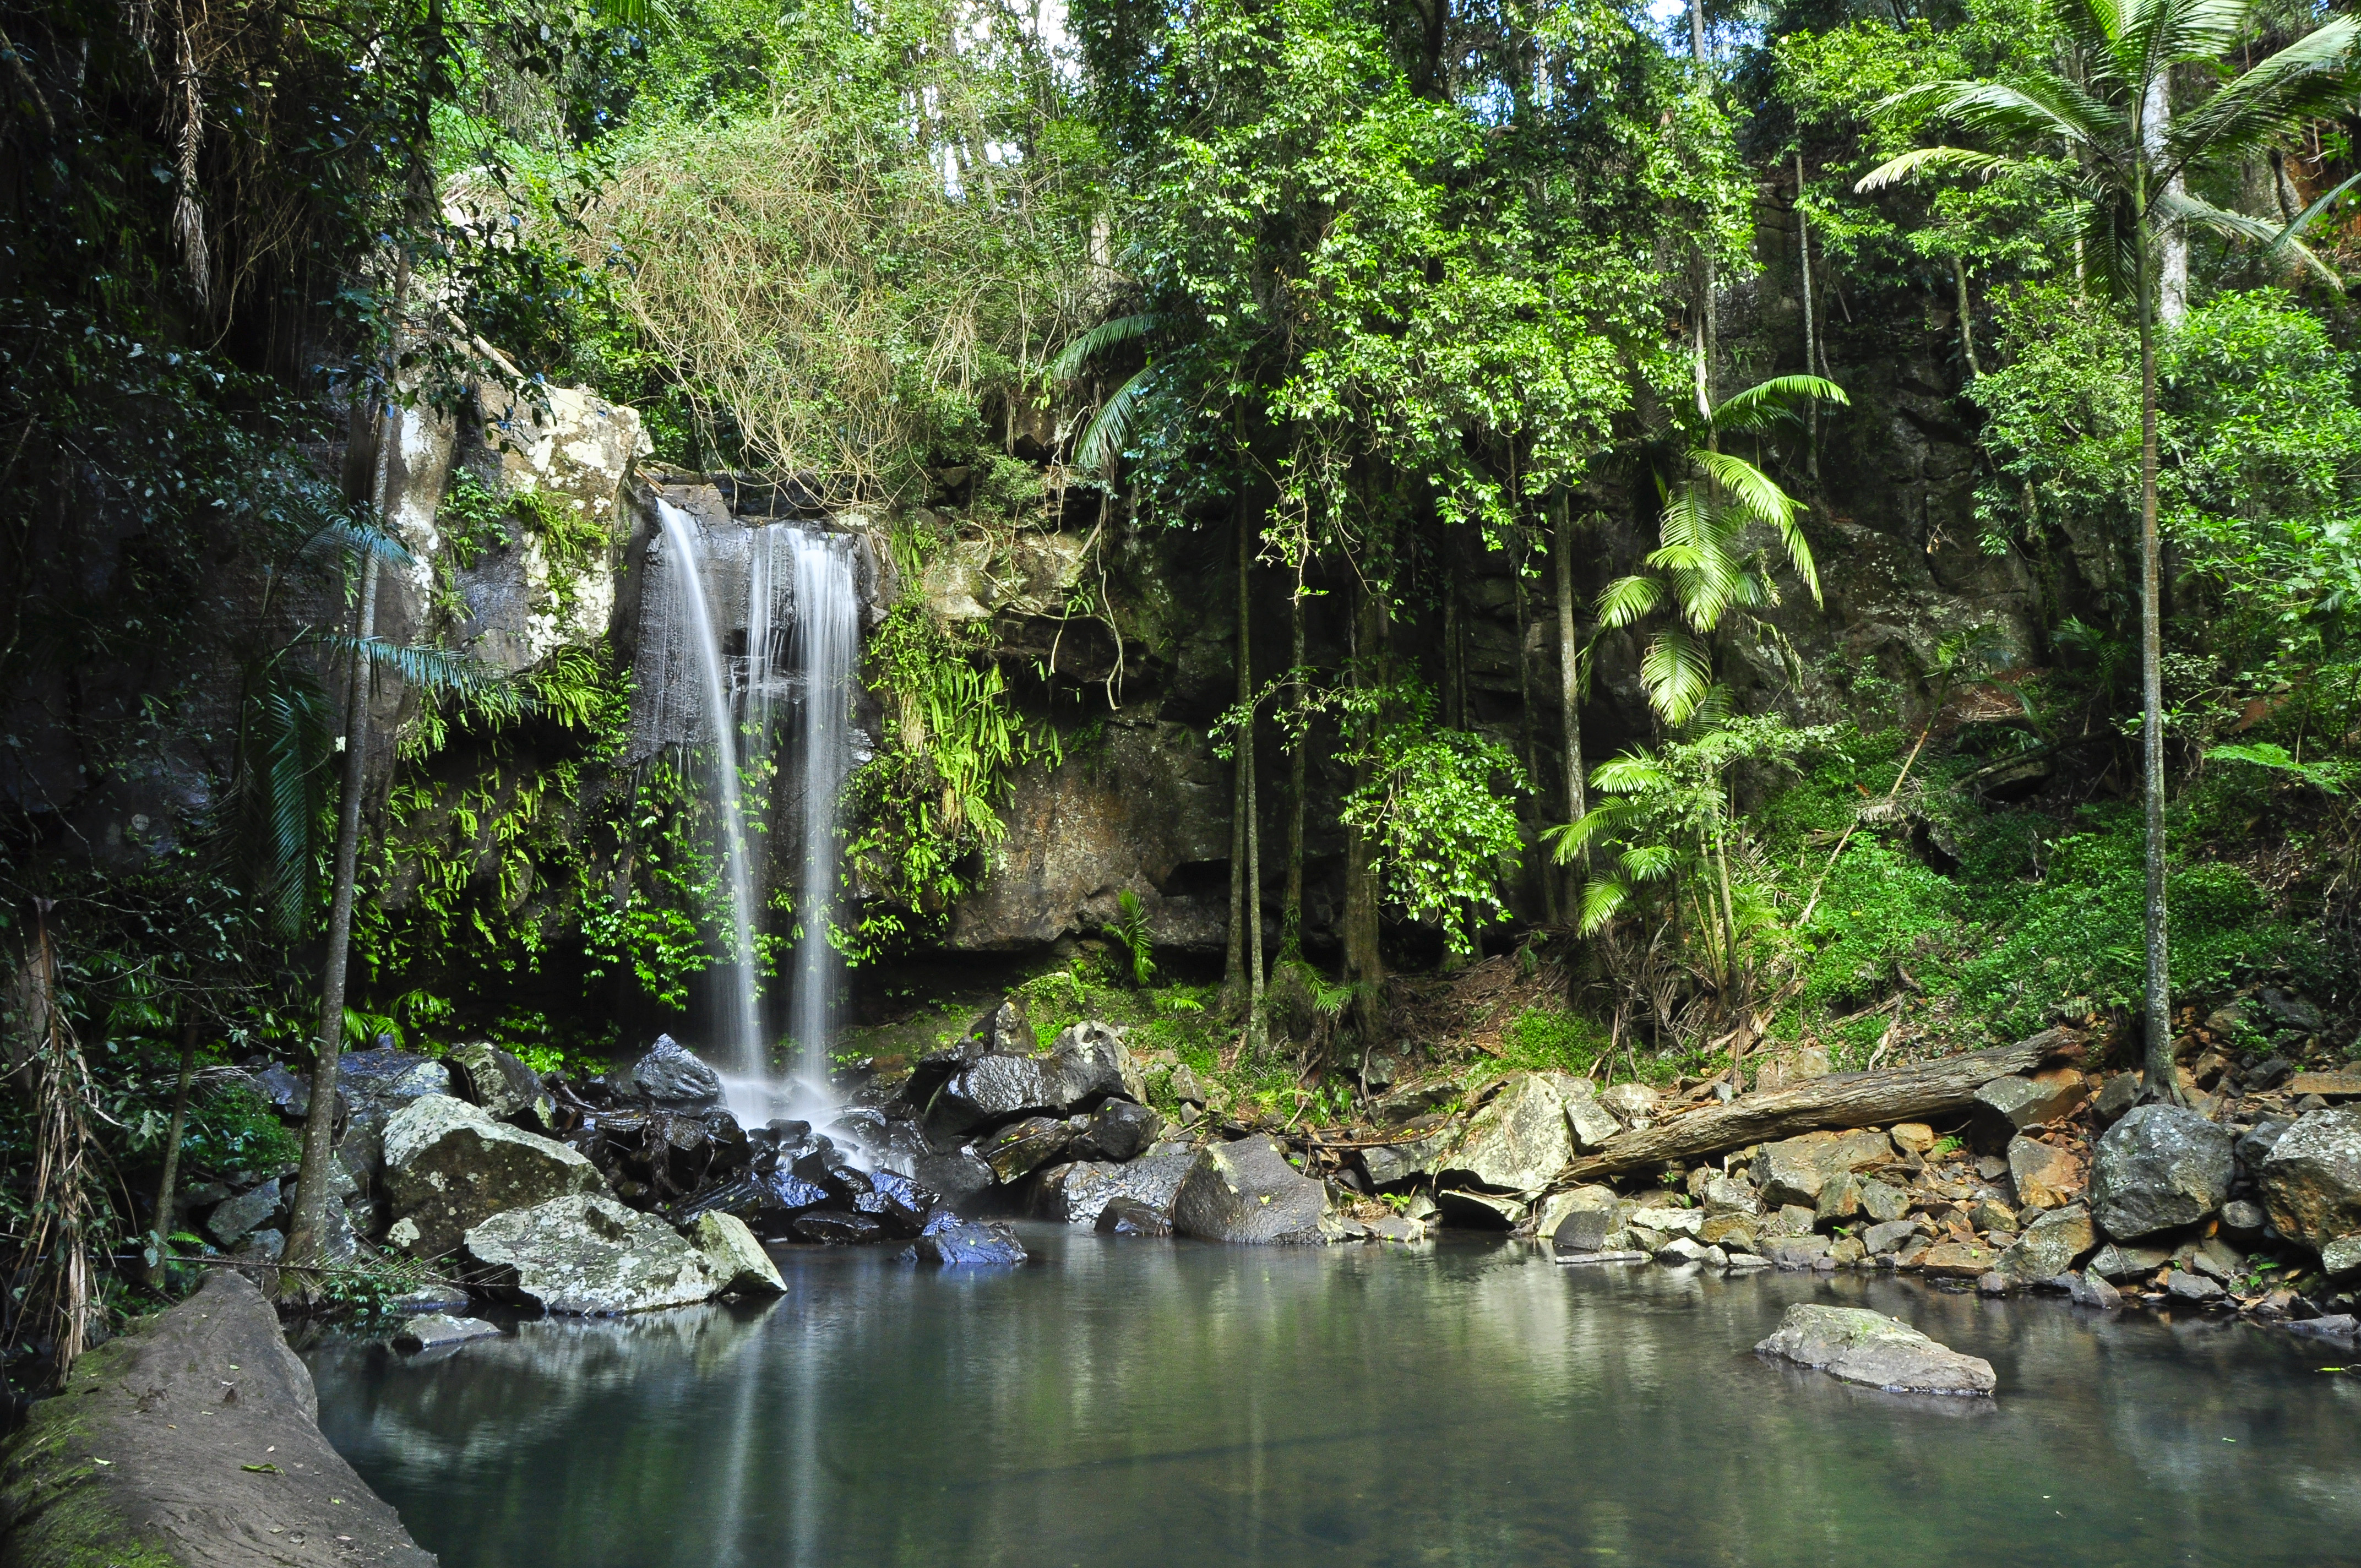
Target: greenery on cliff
column 1410, row 326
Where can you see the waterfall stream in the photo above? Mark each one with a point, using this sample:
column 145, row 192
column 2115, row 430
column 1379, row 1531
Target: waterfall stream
column 825, row 648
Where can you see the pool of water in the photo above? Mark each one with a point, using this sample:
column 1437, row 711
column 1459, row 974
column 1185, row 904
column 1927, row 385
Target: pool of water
column 1152, row 1403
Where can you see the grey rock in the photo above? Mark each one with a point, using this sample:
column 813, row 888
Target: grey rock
column 1389, row 1165
column 247, row 1211
column 1840, row 1199
column 1881, row 1203
column 2160, row 1167
column 1518, row 1142
column 1878, row 1352
column 2269, row 1072
column 1612, row 1254
column 1888, row 1236
column 2243, row 1220
column 736, row 1258
column 1993, row 1282
column 2008, row 1105
column 958, row 1176
column 674, row 1077
column 1022, row 1147
column 1792, row 1220
column 504, row 1086
column 1727, row 1195
column 1584, row 1231
column 1714, row 1257
column 1667, row 1220
column 265, row 1245
column 2091, row 1288
column 1748, row 1260
column 1129, row 1217
column 1404, row 1105
column 2119, row 1262
column 970, row 1244
column 2187, row 1286
column 590, row 1256
column 2051, row 1246
column 1800, row 1252
column 1247, row 1191
column 1552, row 1210
column 1088, row 1063
column 2341, row 1325
column 1591, row 1122
column 1795, row 1170
column 1076, row 1194
column 1630, row 1102
column 2312, row 1177
column 448, row 1166
column 290, row 1094
column 2341, row 1256
column 431, row 1331
column 2254, row 1144
column 2291, row 1011
column 1680, row 1250
column 1117, row 1131
column 2118, row 1095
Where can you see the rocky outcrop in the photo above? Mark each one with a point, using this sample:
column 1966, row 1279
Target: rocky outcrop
column 2311, row 1181
column 675, row 1077
column 735, row 1258
column 448, row 1165
column 1077, row 1194
column 591, row 1256
column 506, row 1088
column 2160, row 1167
column 1247, row 1191
column 192, row 1442
column 1858, row 1346
column 1518, row 1142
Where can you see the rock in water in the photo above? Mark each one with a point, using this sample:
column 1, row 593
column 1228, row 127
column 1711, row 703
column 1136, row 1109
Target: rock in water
column 1117, row 1131
column 736, row 1258
column 1021, row 1148
column 1077, row 1194
column 2312, row 1177
column 432, row 1331
column 674, row 1077
column 448, row 1165
column 1130, row 1217
column 590, row 1256
column 209, row 1425
column 1861, row 1346
column 504, row 1086
column 1247, row 1191
column 970, row 1244
column 1517, row 1142
column 2160, row 1167
column 2053, row 1244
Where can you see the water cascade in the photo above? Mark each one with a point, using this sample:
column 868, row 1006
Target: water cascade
column 825, row 646
column 683, row 547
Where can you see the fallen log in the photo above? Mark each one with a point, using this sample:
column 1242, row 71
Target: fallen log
column 1840, row 1100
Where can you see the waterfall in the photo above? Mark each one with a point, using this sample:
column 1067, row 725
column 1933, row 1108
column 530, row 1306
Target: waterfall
column 824, row 650
column 684, row 548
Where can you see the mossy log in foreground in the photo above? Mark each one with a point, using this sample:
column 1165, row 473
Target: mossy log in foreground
column 191, row 1444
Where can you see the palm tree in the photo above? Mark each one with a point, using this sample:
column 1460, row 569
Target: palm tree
column 1700, row 567
column 2130, row 161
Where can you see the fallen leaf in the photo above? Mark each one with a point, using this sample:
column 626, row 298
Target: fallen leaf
column 263, row 1469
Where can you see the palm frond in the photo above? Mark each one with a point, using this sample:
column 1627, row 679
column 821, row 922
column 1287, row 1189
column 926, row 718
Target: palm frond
column 1602, row 899
column 1629, row 599
column 1628, row 772
column 1649, row 862
column 1099, row 339
column 2274, row 239
column 1780, row 398
column 1936, row 159
column 1755, row 492
column 1676, row 672
column 2310, row 79
column 356, row 539
column 1103, row 440
column 438, row 671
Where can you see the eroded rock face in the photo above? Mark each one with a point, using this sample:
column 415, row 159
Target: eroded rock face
column 1860, row 1346
column 591, row 1256
column 448, row 1166
column 1247, row 1191
column 2312, row 1177
column 2160, row 1167
column 1518, row 1142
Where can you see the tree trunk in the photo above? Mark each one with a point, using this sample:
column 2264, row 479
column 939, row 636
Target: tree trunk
column 2172, row 286
column 1291, row 938
column 1569, row 691
column 1365, row 969
column 1811, row 358
column 1842, row 1099
column 2156, row 1077
column 1237, row 983
column 1704, row 324
column 166, row 1183
column 1966, row 318
column 1531, row 745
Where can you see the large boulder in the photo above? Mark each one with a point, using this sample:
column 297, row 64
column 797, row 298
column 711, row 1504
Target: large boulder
column 969, row 1243
column 2312, row 1177
column 591, row 1256
column 959, row 1173
column 1117, row 1130
column 503, row 1085
column 2160, row 1167
column 1021, row 1148
column 2050, row 1247
column 1086, row 1066
column 375, row 1084
column 1518, row 1142
column 448, row 1165
column 1795, row 1170
column 673, row 1076
column 1247, row 1191
column 1856, row 1346
column 1390, row 1164
column 1591, row 1122
column 209, row 1427
column 1078, row 1193
column 736, row 1258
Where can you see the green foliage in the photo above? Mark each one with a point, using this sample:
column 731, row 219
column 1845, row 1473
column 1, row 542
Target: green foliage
column 1129, row 930
column 1546, row 1039
column 234, row 1128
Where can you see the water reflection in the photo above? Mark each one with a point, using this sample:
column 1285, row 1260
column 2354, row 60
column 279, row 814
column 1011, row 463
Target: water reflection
column 1182, row 1404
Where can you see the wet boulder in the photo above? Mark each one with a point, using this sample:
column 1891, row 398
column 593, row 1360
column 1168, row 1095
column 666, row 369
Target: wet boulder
column 1247, row 1192
column 673, row 1076
column 1517, row 1142
column 434, row 1330
column 1021, row 1148
column 903, row 1206
column 1090, row 1063
column 448, row 1166
column 591, row 1256
column 1855, row 1345
column 1117, row 1131
column 1076, row 1194
column 2050, row 1247
column 2312, row 1177
column 1130, row 1217
column 959, row 1174
column 970, row 1244
column 735, row 1258
column 1087, row 1065
column 504, row 1086
column 835, row 1227
column 2160, row 1167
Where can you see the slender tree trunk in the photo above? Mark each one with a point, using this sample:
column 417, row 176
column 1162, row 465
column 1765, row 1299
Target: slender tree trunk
column 2172, row 236
column 1290, row 938
column 1811, row 358
column 1966, row 318
column 1245, row 898
column 2157, row 1079
column 1531, row 745
column 1569, row 692
column 1365, row 969
column 1704, row 323
column 167, row 1183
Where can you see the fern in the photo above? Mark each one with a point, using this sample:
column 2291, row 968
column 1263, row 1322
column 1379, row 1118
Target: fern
column 1129, row 930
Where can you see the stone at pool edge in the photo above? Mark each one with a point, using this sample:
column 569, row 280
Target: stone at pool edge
column 449, row 1166
column 1246, row 1191
column 588, row 1255
column 970, row 1244
column 432, row 1331
column 2159, row 1168
column 736, row 1258
column 1856, row 1346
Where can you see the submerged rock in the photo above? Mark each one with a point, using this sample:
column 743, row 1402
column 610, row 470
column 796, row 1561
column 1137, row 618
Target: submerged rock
column 1129, row 1217
column 432, row 1331
column 970, row 1244
column 1855, row 1345
column 590, row 1256
column 736, row 1258
column 1247, row 1191
column 449, row 1166
column 2160, row 1167
column 672, row 1075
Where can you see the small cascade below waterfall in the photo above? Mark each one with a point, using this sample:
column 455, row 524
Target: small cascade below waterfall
column 825, row 648
column 684, row 545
